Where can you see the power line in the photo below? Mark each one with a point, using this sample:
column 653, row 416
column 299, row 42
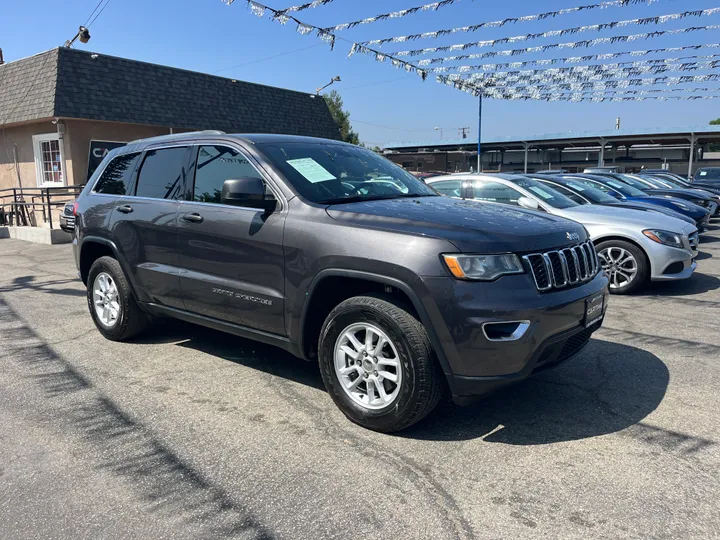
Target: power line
column 268, row 58
column 93, row 12
column 99, row 13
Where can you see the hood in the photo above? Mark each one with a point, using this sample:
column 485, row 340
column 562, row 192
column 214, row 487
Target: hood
column 680, row 193
column 648, row 207
column 472, row 226
column 591, row 214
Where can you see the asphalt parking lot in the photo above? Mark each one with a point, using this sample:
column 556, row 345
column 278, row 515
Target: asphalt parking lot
column 190, row 433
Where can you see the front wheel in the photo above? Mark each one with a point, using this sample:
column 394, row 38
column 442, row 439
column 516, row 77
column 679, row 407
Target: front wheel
column 378, row 365
column 625, row 264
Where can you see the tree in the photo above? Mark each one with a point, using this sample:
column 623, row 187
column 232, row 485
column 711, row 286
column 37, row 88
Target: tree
column 341, row 117
column 715, row 122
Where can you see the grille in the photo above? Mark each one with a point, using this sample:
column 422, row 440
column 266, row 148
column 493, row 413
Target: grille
column 694, row 239
column 563, row 268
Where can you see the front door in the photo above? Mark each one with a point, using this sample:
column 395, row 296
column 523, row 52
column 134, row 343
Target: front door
column 231, row 257
column 144, row 225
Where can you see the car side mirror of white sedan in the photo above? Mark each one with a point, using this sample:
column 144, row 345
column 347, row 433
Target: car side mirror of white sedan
column 527, row 202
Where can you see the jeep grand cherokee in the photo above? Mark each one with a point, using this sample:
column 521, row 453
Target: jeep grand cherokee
column 335, row 254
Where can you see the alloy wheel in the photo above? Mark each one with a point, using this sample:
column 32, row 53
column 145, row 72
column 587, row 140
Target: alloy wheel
column 620, row 266
column 368, row 366
column 106, row 300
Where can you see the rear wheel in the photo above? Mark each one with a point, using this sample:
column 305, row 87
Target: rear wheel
column 112, row 307
column 378, row 365
column 625, row 264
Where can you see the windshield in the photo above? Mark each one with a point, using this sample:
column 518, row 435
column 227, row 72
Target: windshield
column 657, row 181
column 634, row 182
column 594, row 195
column 544, row 193
column 628, row 191
column 707, row 174
column 327, row 173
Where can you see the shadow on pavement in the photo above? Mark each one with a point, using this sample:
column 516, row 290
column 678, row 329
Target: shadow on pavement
column 696, row 284
column 703, row 255
column 46, row 287
column 164, row 481
column 609, row 387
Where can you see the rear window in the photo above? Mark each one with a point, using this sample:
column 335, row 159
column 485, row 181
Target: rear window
column 708, row 174
column 117, row 176
column 162, row 175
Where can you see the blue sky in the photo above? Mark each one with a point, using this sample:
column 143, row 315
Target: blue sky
column 386, row 104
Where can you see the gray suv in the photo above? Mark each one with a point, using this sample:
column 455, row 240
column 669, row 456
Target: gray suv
column 336, row 255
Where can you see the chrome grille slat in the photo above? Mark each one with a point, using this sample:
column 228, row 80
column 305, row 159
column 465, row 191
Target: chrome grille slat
column 557, row 269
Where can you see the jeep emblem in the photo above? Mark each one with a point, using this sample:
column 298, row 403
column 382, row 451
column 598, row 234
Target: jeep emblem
column 573, row 236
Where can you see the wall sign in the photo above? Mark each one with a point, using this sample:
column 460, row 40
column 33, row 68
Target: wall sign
column 98, row 151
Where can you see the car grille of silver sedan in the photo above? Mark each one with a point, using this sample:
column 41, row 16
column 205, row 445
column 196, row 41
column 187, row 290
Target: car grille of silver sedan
column 565, row 267
column 694, row 239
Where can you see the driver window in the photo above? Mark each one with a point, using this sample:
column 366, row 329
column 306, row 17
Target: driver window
column 451, row 188
column 495, row 192
column 568, row 193
column 215, row 164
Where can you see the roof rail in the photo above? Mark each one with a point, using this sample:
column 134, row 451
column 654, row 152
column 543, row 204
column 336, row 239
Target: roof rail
column 170, row 137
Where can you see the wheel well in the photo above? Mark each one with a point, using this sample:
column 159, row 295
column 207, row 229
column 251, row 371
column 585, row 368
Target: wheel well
column 622, row 239
column 335, row 289
column 91, row 252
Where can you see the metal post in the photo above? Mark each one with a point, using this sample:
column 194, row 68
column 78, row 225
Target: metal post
column 47, row 192
column 601, row 154
column 479, row 163
column 527, row 149
column 14, row 208
column 692, row 154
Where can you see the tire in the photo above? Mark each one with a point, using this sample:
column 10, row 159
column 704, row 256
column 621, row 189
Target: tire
column 612, row 252
column 130, row 320
column 420, row 383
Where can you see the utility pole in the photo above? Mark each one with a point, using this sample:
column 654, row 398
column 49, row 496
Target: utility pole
column 617, row 123
column 464, row 132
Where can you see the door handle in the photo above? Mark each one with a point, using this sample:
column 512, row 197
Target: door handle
column 192, row 218
column 125, row 209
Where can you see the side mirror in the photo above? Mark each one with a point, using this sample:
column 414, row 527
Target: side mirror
column 249, row 192
column 527, row 202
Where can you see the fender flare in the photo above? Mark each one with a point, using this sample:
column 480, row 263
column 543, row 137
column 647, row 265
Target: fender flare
column 385, row 280
column 118, row 257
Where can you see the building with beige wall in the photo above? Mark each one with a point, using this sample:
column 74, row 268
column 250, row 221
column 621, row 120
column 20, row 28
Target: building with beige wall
column 54, row 104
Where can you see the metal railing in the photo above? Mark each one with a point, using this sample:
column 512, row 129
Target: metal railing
column 20, row 206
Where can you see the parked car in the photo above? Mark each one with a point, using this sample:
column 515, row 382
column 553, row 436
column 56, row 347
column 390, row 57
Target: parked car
column 67, row 217
column 581, row 193
column 709, row 176
column 634, row 246
column 707, row 201
column 671, row 183
column 681, row 182
column 593, row 170
column 622, row 191
column 397, row 293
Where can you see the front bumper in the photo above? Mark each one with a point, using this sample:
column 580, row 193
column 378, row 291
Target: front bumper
column 478, row 365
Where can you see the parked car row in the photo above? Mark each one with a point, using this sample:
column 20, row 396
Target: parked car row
column 639, row 237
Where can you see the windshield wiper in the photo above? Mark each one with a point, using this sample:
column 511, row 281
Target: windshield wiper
column 364, row 198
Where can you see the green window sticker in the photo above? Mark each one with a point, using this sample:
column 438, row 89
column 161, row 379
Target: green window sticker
column 311, row 170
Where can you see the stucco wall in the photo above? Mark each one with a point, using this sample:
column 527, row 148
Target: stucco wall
column 21, row 137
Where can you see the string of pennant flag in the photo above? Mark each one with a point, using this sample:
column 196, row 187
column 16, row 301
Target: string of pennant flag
column 506, row 80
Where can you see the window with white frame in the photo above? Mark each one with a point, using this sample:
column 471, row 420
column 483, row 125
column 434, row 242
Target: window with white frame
column 49, row 160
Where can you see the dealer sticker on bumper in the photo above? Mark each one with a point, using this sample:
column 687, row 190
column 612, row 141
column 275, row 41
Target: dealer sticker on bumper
column 594, row 309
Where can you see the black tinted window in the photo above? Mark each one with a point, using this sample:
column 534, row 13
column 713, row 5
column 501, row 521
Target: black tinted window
column 568, row 193
column 162, row 175
column 450, row 187
column 216, row 164
column 117, row 176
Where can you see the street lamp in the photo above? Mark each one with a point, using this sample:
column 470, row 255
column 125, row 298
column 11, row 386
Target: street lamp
column 83, row 34
column 333, row 80
column 440, row 130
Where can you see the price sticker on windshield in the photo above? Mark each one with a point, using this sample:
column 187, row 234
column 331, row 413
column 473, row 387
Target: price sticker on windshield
column 540, row 191
column 311, row 170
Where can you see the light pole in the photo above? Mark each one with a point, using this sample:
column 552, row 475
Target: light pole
column 333, row 80
column 440, row 130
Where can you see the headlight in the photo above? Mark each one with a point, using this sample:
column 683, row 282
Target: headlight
column 664, row 237
column 681, row 205
column 483, row 267
column 701, row 202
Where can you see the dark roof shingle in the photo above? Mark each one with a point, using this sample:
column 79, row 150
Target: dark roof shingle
column 99, row 87
column 27, row 88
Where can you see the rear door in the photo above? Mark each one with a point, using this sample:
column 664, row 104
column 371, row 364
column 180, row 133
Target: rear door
column 144, row 224
column 232, row 259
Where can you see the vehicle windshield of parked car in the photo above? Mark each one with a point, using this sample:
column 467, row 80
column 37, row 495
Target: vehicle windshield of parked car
column 327, row 173
column 544, row 193
column 590, row 193
column 664, row 180
column 624, row 189
column 708, row 174
column 636, row 183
